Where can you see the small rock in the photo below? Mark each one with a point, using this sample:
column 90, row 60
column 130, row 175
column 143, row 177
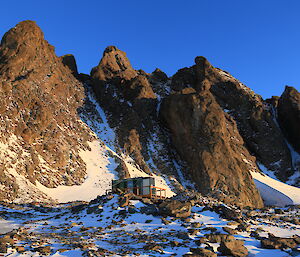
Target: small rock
column 44, row 250
column 201, row 252
column 230, row 231
column 217, row 238
column 175, row 208
column 279, row 211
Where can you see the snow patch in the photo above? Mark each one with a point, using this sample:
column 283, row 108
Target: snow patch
column 100, row 172
column 275, row 192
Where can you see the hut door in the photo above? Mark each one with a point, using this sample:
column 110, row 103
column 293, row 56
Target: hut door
column 146, row 186
column 130, row 186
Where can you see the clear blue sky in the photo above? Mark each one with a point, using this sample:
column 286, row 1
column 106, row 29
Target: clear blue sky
column 258, row 41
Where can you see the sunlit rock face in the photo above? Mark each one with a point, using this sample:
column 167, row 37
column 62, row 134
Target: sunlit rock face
column 39, row 98
column 208, row 140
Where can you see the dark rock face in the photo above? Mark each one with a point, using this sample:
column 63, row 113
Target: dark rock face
column 69, row 61
column 208, row 140
column 39, row 98
column 256, row 123
column 289, row 115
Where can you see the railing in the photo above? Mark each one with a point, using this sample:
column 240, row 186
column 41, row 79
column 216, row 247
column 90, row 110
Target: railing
column 158, row 193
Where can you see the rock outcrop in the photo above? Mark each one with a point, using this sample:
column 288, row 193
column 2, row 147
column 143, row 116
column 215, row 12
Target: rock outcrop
column 289, row 115
column 255, row 118
column 208, row 140
column 257, row 124
column 39, row 97
column 130, row 99
column 122, row 91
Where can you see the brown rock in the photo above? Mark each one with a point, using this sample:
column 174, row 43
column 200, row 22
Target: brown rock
column 230, row 231
column 45, row 124
column 114, row 63
column 256, row 122
column 203, row 252
column 202, row 135
column 278, row 243
column 217, row 238
column 233, row 248
column 20, row 249
column 45, row 250
column 3, row 247
column 175, row 208
column 159, row 76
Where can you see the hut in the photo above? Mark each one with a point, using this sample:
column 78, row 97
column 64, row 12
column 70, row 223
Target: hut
column 140, row 186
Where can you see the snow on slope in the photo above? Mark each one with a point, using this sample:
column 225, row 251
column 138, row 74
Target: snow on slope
column 295, row 178
column 98, row 123
column 11, row 156
column 100, row 172
column 94, row 117
column 101, row 162
column 275, row 192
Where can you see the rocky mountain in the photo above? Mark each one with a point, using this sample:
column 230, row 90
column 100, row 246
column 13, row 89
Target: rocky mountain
column 64, row 133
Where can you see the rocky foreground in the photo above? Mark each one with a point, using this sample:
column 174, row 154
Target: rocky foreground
column 122, row 225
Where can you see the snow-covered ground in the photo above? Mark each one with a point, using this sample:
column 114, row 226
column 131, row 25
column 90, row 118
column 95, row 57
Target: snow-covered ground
column 105, row 225
column 100, row 172
column 275, row 192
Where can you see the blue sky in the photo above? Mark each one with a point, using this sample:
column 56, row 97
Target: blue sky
column 256, row 41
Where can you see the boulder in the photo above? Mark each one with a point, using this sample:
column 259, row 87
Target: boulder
column 234, row 248
column 217, row 238
column 278, row 243
column 202, row 252
column 175, row 208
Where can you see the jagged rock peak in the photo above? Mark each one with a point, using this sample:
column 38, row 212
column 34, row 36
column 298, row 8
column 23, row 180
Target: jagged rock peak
column 70, row 61
column 292, row 92
column 39, row 98
column 23, row 50
column 114, row 63
column 159, row 76
column 25, row 31
column 200, row 76
column 289, row 115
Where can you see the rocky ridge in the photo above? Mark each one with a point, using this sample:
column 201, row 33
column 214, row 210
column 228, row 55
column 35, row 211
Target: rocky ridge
column 201, row 129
